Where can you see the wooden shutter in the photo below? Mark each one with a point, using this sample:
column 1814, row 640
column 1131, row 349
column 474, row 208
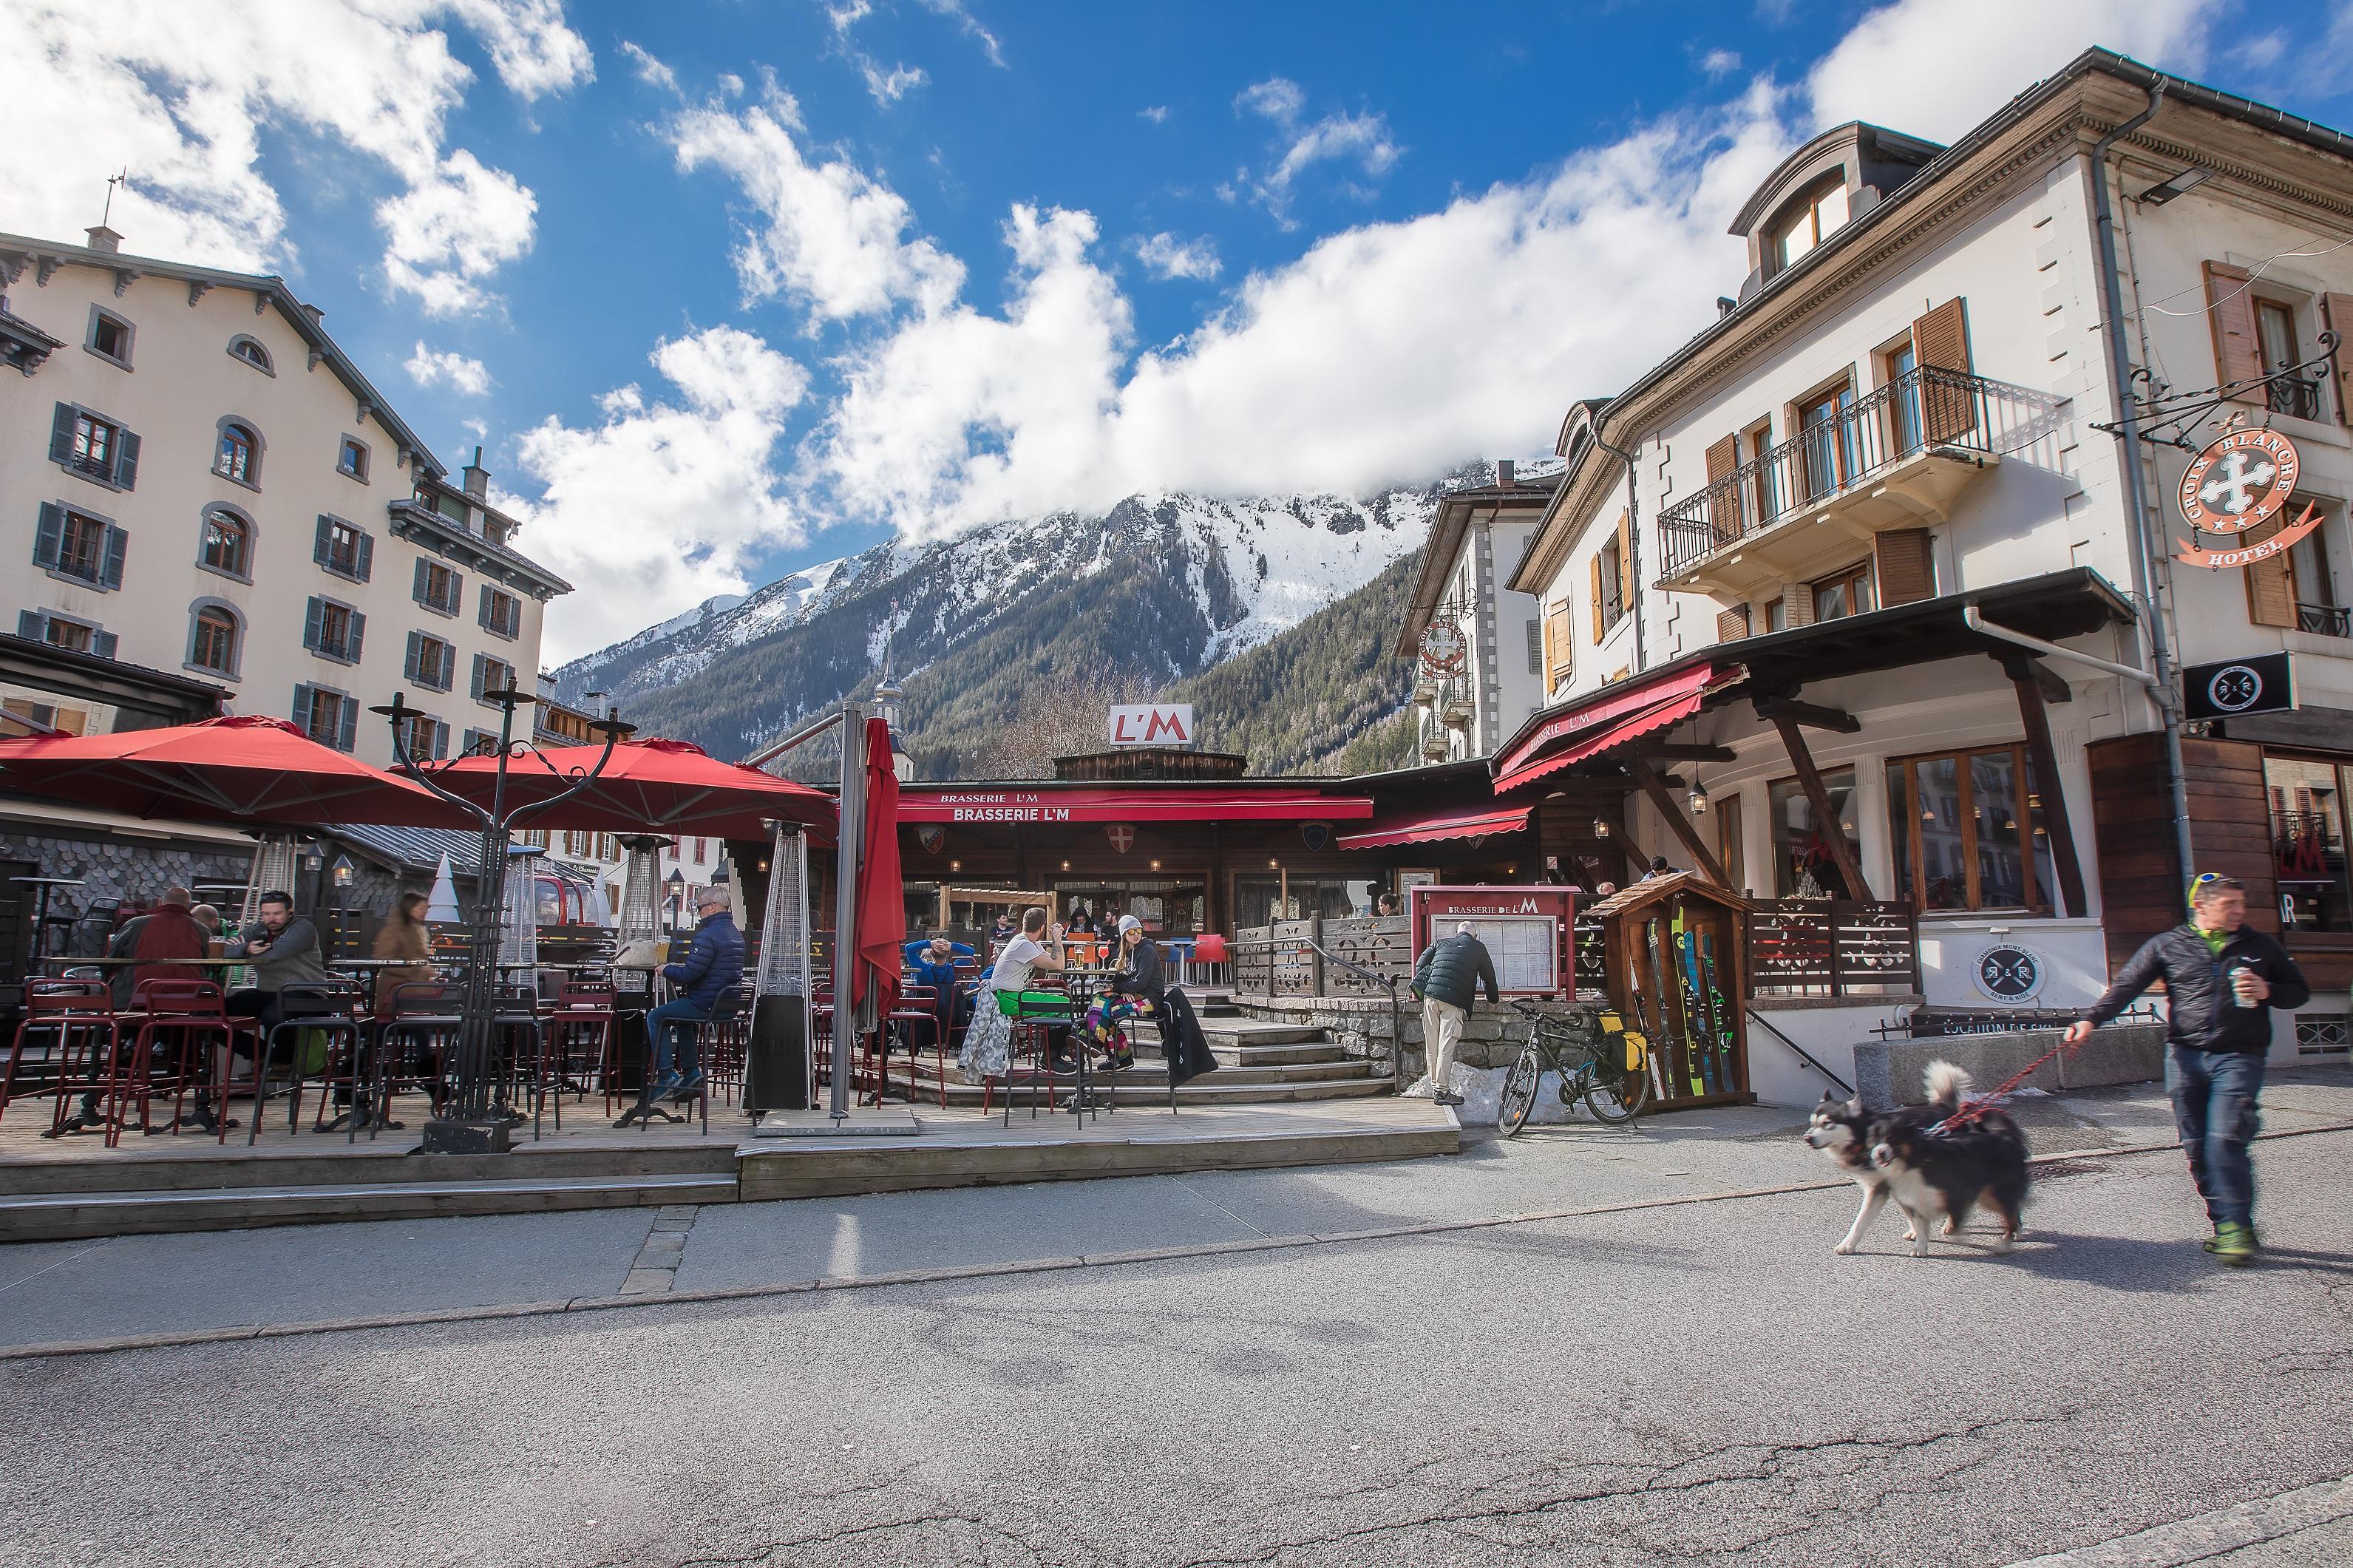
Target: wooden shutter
column 367, row 556
column 126, row 458
column 2231, row 313
column 352, row 638
column 1908, row 569
column 348, row 730
column 410, row 667
column 2271, row 584
column 1560, row 646
column 1723, row 510
column 1940, row 342
column 440, row 740
column 1797, row 605
column 416, row 589
column 61, row 434
column 103, row 644
column 2336, row 315
column 312, row 613
column 479, row 662
column 1732, row 624
column 1625, row 566
column 47, row 537
column 32, row 625
column 302, row 708
column 319, row 539
column 1597, row 595
column 109, row 573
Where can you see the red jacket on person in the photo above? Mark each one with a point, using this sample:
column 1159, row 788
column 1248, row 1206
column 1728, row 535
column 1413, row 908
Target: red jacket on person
column 169, row 932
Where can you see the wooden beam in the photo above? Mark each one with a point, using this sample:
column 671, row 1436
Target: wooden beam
column 2044, row 759
column 1810, row 780
column 1678, row 824
column 1671, row 752
column 2023, row 665
column 1820, row 717
column 1630, row 853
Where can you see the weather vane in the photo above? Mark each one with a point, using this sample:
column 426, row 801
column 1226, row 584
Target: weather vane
column 112, row 181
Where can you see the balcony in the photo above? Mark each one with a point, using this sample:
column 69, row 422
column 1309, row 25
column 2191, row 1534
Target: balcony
column 1899, row 457
column 2292, row 395
column 2324, row 620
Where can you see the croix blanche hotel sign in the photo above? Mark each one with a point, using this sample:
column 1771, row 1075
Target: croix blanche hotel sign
column 2241, row 481
column 1152, row 724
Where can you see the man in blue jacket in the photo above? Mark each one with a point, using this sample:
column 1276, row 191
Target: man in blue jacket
column 933, row 960
column 714, row 963
column 2223, row 977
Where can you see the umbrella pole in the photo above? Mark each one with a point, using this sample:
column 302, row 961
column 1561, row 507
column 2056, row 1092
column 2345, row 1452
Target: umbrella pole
column 847, row 853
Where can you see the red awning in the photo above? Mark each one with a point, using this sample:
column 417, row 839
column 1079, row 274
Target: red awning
column 1608, row 721
column 1431, row 826
column 1227, row 802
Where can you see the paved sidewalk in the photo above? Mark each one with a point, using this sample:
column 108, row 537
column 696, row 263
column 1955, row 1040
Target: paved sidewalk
column 81, row 1290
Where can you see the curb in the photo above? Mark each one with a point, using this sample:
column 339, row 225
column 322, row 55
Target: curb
column 50, row 1350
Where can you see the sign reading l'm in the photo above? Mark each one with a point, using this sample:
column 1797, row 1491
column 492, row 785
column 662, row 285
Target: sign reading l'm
column 1152, row 724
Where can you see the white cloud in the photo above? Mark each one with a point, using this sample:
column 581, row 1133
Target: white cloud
column 658, row 504
column 889, row 87
column 1935, row 69
column 650, row 71
column 1363, row 139
column 834, row 236
column 447, row 367
column 1719, row 63
column 181, row 90
column 969, row 24
column 1157, row 114
column 1165, row 257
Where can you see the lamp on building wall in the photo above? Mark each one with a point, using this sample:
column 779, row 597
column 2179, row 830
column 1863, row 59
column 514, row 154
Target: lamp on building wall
column 1698, row 798
column 2180, row 185
column 1600, row 829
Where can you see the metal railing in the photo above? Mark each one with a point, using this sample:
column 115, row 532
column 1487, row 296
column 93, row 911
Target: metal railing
column 1321, row 957
column 2324, row 620
column 2292, row 395
column 1824, row 947
column 1927, row 409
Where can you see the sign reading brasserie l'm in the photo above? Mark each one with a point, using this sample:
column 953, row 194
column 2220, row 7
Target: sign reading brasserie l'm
column 2241, row 481
column 1152, row 724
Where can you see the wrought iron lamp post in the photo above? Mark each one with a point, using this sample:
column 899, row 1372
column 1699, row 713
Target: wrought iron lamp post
column 468, row 1123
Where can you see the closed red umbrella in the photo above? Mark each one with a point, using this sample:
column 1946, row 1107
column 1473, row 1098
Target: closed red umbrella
column 882, row 906
column 249, row 771
column 648, row 786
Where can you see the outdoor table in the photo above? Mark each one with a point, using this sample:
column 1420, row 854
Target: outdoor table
column 1084, row 985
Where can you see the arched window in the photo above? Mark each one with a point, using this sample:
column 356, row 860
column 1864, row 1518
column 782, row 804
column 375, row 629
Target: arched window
column 240, row 456
column 250, row 350
column 228, row 546
column 214, row 635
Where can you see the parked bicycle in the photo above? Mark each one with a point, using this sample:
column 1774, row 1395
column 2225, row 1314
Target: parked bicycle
column 1604, row 1066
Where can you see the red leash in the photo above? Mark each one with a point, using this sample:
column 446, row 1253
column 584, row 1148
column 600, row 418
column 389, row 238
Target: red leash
column 1974, row 1109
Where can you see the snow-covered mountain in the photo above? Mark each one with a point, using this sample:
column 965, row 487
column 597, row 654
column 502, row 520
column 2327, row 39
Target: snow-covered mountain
column 1161, row 587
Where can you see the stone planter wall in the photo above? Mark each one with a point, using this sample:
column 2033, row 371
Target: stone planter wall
column 1491, row 1039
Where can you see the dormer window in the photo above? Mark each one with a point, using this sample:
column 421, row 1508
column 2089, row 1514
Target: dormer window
column 1811, row 219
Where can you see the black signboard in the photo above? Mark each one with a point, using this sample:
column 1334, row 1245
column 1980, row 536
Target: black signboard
column 2233, row 687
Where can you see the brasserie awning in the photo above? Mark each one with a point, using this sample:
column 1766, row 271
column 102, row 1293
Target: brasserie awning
column 1433, row 826
column 1615, row 716
column 1018, row 803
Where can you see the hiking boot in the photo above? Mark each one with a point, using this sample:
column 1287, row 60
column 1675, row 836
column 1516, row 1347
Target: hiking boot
column 2234, row 1244
column 662, row 1088
column 688, row 1088
column 1447, row 1097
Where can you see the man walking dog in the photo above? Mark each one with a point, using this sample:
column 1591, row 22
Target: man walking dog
column 2221, row 980
column 1447, row 978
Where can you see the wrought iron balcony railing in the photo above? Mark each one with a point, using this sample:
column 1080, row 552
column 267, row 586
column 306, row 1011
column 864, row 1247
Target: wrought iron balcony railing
column 2294, row 396
column 1924, row 410
column 2324, row 620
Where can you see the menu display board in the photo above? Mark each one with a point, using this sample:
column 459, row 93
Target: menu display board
column 1524, row 929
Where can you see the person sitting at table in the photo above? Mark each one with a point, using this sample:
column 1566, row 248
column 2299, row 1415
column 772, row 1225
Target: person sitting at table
column 154, row 937
column 208, row 916
column 283, row 949
column 1082, row 923
column 1001, row 931
column 933, row 961
column 404, row 944
column 1036, row 948
column 714, row 963
column 1137, row 988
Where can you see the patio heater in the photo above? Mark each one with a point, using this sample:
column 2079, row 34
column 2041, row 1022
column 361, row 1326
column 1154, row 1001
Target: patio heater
column 640, row 917
column 468, row 1123
column 780, row 1073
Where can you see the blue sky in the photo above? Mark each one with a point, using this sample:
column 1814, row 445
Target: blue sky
column 726, row 287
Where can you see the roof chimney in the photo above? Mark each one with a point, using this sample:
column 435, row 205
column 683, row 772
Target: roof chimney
column 316, row 314
column 104, row 238
column 478, row 478
column 1725, row 305
column 1504, row 469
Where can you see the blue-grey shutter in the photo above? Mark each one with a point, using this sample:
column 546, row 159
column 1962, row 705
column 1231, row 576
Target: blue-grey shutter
column 126, row 458
column 319, row 543
column 440, row 740
column 28, row 624
column 359, row 630
column 112, row 573
column 302, row 708
column 103, row 644
column 409, row 668
column 351, row 725
column 311, row 623
column 46, row 538
column 418, row 592
column 483, row 619
column 479, row 662
column 367, row 556
column 61, row 434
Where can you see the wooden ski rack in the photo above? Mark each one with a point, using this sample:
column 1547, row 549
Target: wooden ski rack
column 1708, row 912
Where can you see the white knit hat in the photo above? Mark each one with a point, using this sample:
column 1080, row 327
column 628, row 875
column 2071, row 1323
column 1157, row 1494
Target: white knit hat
column 1128, row 923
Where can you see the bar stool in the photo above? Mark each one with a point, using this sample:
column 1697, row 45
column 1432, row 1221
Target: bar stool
column 423, row 1017
column 72, row 1010
column 181, row 1016
column 1034, row 1015
column 322, row 1008
column 584, row 1020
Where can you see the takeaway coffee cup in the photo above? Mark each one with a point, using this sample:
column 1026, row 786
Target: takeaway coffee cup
column 2240, row 990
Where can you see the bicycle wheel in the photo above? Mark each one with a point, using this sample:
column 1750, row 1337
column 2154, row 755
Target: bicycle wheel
column 1612, row 1093
column 1520, row 1091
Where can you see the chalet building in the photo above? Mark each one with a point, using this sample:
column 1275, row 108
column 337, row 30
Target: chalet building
column 1881, row 622
column 199, row 480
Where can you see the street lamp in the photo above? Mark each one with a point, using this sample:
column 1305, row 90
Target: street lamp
column 467, row 1121
column 674, row 898
column 340, row 874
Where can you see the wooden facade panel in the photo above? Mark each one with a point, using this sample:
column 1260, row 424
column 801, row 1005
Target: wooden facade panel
column 2141, row 890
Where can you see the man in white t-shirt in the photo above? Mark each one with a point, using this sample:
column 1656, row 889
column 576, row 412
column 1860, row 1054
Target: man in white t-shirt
column 1036, row 948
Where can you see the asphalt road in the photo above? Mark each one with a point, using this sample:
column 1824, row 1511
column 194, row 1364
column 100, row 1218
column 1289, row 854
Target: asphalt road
column 1677, row 1385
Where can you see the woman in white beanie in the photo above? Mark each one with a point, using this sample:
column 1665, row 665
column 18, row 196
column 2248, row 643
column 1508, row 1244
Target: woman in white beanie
column 1137, row 988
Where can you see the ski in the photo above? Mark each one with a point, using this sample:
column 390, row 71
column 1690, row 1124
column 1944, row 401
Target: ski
column 1701, row 1027
column 1656, row 1042
column 1720, row 1016
column 1659, row 984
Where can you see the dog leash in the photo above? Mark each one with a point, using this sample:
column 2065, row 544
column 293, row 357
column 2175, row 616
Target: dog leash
column 1977, row 1106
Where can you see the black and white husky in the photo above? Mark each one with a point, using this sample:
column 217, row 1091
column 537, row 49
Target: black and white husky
column 1930, row 1174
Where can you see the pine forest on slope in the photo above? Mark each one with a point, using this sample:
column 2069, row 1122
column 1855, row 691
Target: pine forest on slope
column 1273, row 618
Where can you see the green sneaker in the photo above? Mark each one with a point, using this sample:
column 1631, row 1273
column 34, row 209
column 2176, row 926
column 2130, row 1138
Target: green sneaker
column 2234, row 1244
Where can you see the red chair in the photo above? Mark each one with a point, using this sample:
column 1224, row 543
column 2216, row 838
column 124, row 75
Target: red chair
column 919, row 1010
column 1209, row 951
column 181, row 1017
column 80, row 1014
column 583, row 1021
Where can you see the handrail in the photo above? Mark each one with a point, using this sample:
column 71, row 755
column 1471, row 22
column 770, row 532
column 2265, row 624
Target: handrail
column 1396, row 1027
column 1758, row 1018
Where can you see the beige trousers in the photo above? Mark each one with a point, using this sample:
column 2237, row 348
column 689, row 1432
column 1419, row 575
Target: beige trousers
column 1441, row 1032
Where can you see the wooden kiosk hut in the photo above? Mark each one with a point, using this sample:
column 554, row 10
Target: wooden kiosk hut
column 1673, row 952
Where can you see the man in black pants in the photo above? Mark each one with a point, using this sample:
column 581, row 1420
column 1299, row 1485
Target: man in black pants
column 2221, row 980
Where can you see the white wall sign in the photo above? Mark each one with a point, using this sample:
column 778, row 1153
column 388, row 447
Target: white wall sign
column 1152, row 724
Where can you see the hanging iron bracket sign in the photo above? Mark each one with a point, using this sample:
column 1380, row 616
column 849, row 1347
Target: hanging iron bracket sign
column 2243, row 480
column 2167, row 417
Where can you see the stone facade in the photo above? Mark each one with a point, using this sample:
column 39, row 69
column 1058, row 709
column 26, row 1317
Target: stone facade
column 113, row 870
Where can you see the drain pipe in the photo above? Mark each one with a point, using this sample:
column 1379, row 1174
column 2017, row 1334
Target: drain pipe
column 2128, row 431
column 1633, row 537
column 1979, row 623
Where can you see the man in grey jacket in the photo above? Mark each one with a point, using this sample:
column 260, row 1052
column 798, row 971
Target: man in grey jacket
column 283, row 948
column 1447, row 978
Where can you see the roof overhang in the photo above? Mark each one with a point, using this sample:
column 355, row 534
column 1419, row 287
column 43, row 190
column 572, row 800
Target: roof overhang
column 1224, row 801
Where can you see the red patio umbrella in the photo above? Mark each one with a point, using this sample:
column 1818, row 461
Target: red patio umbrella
column 650, row 786
column 249, row 771
column 882, row 905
